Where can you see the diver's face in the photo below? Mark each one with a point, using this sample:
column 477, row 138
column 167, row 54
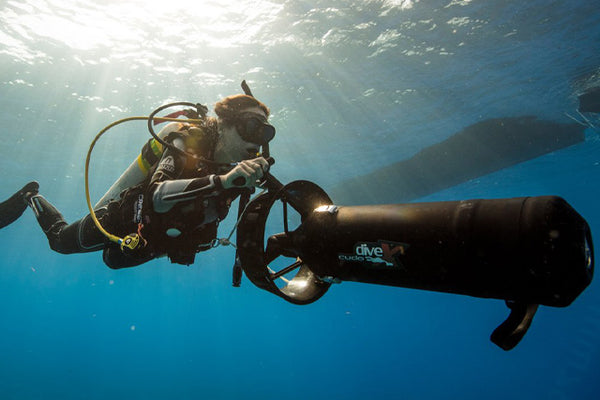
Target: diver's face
column 230, row 146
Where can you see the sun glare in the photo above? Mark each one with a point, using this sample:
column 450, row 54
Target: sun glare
column 87, row 25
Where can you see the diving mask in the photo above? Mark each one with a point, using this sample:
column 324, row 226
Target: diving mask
column 252, row 128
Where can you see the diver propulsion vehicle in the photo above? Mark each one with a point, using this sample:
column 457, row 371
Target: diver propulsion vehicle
column 527, row 251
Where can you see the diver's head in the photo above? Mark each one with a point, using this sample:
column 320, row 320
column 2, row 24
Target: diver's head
column 243, row 128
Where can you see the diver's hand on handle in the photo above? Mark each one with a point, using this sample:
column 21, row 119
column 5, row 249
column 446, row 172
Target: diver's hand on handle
column 246, row 174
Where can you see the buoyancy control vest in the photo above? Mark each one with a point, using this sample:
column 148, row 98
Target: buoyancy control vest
column 173, row 233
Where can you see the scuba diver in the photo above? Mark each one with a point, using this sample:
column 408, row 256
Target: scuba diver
column 172, row 196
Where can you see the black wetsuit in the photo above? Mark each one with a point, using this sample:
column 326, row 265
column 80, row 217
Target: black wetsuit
column 188, row 225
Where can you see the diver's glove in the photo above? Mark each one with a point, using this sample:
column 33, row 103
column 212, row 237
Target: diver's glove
column 246, row 173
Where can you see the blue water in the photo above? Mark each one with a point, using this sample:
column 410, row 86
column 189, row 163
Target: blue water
column 352, row 86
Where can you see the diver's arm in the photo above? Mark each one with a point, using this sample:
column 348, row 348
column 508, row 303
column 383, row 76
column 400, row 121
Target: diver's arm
column 164, row 180
column 165, row 187
column 168, row 193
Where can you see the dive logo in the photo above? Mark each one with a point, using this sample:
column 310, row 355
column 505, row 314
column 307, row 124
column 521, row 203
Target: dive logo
column 138, row 207
column 380, row 254
column 168, row 164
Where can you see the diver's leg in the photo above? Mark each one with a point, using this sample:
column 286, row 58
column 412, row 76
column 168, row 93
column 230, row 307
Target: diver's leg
column 79, row 237
column 82, row 236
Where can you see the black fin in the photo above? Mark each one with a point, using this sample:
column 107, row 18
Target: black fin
column 13, row 208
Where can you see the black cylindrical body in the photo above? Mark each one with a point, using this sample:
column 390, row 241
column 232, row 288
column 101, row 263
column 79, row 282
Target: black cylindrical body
column 532, row 249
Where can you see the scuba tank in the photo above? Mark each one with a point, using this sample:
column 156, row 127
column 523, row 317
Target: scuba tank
column 138, row 170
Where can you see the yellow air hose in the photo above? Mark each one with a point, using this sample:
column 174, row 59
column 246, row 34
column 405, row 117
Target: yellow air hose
column 130, row 241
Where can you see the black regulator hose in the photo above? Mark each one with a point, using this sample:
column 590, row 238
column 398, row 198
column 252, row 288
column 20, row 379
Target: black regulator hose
column 201, row 111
